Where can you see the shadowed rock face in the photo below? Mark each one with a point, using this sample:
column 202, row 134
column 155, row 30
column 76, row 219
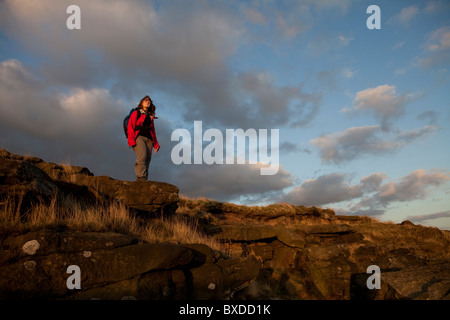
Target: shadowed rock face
column 24, row 180
column 278, row 251
column 115, row 266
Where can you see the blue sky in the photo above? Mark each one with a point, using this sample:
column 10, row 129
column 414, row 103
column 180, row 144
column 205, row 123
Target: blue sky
column 363, row 114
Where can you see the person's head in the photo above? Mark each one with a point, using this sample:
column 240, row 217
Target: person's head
column 147, row 104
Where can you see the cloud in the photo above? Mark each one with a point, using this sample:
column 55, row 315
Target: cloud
column 430, row 116
column 430, row 216
column 227, row 182
column 172, row 42
column 436, row 6
column 254, row 16
column 345, row 40
column 436, row 49
column 276, row 103
column 289, row 147
column 178, row 50
column 330, row 78
column 372, row 196
column 331, row 188
column 356, row 142
column 383, row 101
column 405, row 16
column 398, row 45
column 44, row 115
column 413, row 186
column 289, row 29
column 272, row 21
column 347, row 72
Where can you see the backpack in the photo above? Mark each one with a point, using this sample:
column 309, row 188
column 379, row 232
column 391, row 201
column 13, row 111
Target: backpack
column 125, row 122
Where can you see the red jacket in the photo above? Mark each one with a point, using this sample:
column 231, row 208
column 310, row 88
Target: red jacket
column 133, row 133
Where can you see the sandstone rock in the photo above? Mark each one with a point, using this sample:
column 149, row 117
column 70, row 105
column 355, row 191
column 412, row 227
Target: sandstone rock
column 428, row 282
column 291, row 238
column 202, row 277
column 64, row 242
column 30, row 247
column 149, row 196
column 46, row 275
column 243, row 232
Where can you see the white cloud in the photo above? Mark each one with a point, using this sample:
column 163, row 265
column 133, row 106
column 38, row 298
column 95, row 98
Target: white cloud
column 383, row 101
column 78, row 113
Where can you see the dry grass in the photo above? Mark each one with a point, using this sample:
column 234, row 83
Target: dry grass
column 66, row 212
column 213, row 210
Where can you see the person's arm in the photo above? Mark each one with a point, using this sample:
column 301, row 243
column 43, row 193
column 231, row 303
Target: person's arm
column 156, row 145
column 131, row 128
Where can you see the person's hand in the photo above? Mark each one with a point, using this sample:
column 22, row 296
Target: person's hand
column 157, row 149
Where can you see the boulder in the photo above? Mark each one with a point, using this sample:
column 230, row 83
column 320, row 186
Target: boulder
column 25, row 182
column 146, row 197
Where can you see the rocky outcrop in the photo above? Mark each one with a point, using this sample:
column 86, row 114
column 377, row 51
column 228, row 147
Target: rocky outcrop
column 278, row 251
column 34, row 180
column 330, row 261
column 146, row 197
column 310, row 253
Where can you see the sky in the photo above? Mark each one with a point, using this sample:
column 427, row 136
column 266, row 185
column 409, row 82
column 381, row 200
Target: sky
column 362, row 114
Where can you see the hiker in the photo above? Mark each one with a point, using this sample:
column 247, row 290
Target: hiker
column 142, row 136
